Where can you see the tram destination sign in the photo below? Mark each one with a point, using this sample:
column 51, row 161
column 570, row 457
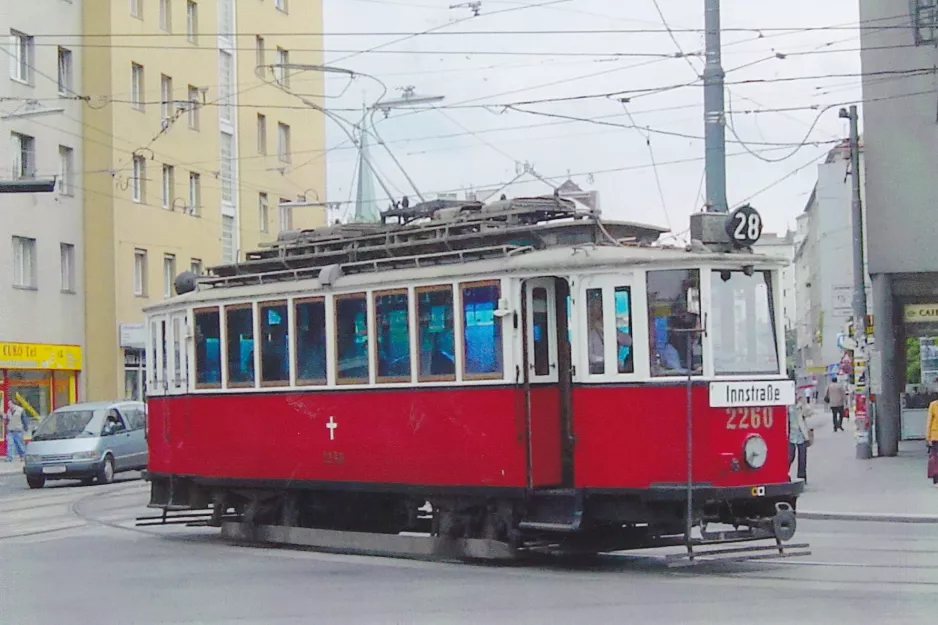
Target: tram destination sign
column 746, row 394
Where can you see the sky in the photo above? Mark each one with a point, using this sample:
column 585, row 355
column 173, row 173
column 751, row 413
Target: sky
column 511, row 90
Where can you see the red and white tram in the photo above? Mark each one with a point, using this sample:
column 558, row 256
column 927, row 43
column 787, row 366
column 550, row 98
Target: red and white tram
column 520, row 373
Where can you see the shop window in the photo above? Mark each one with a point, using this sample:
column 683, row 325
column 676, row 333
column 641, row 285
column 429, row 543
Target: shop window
column 594, row 331
column 435, row 334
column 239, row 324
column 625, row 363
column 482, row 336
column 673, row 315
column 392, row 335
column 207, row 348
column 351, row 331
column 311, row 342
column 275, row 338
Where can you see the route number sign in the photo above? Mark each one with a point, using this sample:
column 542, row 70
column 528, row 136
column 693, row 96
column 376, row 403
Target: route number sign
column 744, row 226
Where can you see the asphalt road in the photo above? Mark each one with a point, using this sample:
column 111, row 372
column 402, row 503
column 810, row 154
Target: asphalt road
column 70, row 555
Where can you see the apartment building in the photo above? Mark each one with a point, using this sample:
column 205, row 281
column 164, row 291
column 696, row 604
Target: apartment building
column 41, row 247
column 189, row 156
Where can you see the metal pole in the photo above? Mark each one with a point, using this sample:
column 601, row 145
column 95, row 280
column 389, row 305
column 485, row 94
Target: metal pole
column 689, row 427
column 862, row 387
column 714, row 112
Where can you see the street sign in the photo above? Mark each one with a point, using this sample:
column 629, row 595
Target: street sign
column 744, row 226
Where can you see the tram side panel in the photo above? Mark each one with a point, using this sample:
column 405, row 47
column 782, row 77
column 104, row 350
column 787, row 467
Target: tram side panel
column 446, row 437
column 635, row 438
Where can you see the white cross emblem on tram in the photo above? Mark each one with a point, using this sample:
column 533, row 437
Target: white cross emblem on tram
column 332, row 425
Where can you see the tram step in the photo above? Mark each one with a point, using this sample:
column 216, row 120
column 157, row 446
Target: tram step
column 560, row 510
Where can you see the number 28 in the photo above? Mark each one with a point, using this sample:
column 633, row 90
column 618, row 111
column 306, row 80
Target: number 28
column 749, row 418
column 748, row 227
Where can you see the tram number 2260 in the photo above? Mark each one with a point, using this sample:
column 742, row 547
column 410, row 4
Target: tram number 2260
column 749, row 418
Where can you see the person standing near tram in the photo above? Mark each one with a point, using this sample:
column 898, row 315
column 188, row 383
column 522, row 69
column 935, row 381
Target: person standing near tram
column 931, row 441
column 799, row 438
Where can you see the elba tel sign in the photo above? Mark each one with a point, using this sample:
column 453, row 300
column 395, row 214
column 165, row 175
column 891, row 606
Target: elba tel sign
column 921, row 313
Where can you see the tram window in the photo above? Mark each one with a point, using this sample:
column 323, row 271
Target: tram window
column 435, row 334
column 623, row 300
column 392, row 335
column 594, row 331
column 155, row 340
column 311, row 342
column 207, row 348
column 482, row 334
column 275, row 339
column 743, row 323
column 674, row 310
column 351, row 330
column 540, row 326
column 239, row 324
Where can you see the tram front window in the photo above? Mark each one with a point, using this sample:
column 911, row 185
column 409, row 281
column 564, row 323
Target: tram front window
column 673, row 318
column 743, row 323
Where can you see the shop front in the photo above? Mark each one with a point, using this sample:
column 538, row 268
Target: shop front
column 920, row 331
column 40, row 377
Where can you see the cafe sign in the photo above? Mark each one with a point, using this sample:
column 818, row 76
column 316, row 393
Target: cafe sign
column 921, row 313
column 40, row 356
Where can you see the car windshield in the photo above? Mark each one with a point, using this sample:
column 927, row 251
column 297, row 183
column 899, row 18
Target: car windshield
column 70, row 424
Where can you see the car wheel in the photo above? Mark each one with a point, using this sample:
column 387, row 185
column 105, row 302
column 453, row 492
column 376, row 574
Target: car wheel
column 106, row 474
column 35, row 481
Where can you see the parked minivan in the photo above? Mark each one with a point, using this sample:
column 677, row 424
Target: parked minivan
column 87, row 442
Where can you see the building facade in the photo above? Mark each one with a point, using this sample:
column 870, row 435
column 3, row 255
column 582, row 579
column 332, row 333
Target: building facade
column 900, row 120
column 823, row 268
column 41, row 246
column 188, row 157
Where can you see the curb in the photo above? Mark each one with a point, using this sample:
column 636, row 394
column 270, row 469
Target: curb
column 870, row 517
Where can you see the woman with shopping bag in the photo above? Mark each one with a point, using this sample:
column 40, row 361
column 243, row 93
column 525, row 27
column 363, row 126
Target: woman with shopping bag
column 931, row 441
column 800, row 437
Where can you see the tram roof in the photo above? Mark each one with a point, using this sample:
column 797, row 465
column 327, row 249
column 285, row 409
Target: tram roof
column 558, row 260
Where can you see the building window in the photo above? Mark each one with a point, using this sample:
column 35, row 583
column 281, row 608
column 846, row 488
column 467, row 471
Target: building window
column 195, row 266
column 260, row 60
column 310, row 342
column 286, row 215
column 67, row 253
column 239, row 323
column 392, row 336
column 482, row 332
column 65, row 72
column 24, row 262
column 226, row 18
column 166, row 15
column 226, row 85
column 263, row 212
column 351, row 332
column 66, row 170
column 226, row 145
column 281, row 5
column 261, row 134
column 169, row 275
column 281, row 74
column 283, row 142
column 140, row 180
column 195, row 193
column 435, row 336
column 166, row 97
column 169, row 185
column 136, row 8
column 207, row 348
column 673, row 309
column 275, row 341
column 140, row 273
column 22, row 54
column 192, row 21
column 193, row 98
column 23, row 150
column 136, row 86
column 227, row 239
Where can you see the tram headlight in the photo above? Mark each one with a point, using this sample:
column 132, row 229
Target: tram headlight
column 755, row 451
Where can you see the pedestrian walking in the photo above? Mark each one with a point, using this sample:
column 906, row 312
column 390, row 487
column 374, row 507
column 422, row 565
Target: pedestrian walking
column 800, row 438
column 13, row 421
column 836, row 398
column 931, row 440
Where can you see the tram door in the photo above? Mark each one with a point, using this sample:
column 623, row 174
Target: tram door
column 547, row 381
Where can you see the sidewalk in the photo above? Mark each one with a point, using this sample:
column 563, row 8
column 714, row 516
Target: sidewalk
column 842, row 487
column 10, row 468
